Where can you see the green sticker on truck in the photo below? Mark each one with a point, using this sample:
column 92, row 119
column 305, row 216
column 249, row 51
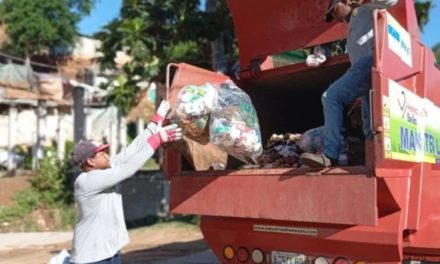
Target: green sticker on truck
column 411, row 131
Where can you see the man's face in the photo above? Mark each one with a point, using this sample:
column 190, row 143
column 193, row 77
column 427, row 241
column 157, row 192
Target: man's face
column 341, row 12
column 100, row 161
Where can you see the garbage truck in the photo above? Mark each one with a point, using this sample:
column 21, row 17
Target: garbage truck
column 383, row 211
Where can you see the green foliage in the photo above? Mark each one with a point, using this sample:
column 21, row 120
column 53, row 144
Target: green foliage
column 182, row 51
column 49, row 182
column 35, row 25
column 81, row 7
column 52, row 182
column 123, row 94
column 50, row 188
column 422, row 12
column 156, row 32
column 25, row 202
column 436, row 51
column 26, row 153
column 68, row 217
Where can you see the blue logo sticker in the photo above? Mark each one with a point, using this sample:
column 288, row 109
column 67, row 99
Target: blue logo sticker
column 393, row 32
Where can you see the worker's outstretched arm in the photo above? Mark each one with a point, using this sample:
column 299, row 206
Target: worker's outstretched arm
column 99, row 180
column 139, row 143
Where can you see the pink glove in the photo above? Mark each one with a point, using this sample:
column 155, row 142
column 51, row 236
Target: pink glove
column 161, row 112
column 165, row 134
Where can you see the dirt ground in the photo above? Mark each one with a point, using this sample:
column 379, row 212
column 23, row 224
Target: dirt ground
column 147, row 245
column 11, row 185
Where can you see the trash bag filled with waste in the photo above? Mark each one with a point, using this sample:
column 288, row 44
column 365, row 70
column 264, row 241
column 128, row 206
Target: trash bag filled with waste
column 234, row 124
column 193, row 107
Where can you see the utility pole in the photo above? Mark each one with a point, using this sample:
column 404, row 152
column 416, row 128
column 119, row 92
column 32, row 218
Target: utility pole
column 79, row 121
column 41, row 114
column 12, row 137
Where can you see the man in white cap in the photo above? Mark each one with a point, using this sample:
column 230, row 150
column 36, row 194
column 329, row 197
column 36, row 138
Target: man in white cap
column 355, row 83
column 100, row 231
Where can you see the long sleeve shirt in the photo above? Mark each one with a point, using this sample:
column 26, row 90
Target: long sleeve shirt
column 360, row 41
column 100, row 231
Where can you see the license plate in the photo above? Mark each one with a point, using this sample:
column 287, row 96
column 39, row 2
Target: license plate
column 279, row 257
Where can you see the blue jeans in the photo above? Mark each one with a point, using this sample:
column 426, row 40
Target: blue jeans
column 356, row 82
column 116, row 259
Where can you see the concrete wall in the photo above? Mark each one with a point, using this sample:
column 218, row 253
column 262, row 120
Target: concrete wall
column 145, row 197
column 27, row 125
column 99, row 121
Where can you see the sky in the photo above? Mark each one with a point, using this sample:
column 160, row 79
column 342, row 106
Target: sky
column 106, row 10
column 431, row 34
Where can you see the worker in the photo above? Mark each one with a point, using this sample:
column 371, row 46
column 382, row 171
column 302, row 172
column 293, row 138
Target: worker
column 100, row 230
column 356, row 82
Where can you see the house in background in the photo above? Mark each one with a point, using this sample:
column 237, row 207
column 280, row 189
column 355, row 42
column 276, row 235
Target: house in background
column 44, row 116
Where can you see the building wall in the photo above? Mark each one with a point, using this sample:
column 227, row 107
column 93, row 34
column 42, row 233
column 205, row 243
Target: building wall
column 100, row 122
column 86, row 48
column 27, row 127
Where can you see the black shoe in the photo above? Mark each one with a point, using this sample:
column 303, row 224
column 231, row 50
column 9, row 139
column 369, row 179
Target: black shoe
column 317, row 160
column 333, row 162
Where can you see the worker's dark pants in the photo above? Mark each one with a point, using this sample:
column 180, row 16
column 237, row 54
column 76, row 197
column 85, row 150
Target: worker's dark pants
column 116, row 259
column 356, row 82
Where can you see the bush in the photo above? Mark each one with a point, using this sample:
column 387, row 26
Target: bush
column 50, row 188
column 25, row 202
column 52, row 182
column 48, row 183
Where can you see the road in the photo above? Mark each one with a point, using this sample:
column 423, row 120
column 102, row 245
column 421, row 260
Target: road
column 167, row 243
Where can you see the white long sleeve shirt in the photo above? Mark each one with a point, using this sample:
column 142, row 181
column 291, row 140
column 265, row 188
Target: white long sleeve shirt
column 100, row 231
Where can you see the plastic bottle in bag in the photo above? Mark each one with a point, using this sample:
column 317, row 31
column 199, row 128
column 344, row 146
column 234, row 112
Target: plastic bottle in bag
column 234, row 124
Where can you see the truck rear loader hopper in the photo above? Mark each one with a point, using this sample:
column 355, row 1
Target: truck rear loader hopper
column 382, row 212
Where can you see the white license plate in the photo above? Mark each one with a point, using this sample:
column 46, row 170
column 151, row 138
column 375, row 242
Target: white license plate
column 279, row 257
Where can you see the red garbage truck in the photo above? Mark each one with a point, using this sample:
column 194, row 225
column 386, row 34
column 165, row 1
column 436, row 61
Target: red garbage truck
column 384, row 211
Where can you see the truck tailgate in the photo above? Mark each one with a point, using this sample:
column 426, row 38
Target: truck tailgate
column 334, row 196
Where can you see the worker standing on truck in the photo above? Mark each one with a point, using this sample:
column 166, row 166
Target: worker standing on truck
column 100, row 231
column 356, row 82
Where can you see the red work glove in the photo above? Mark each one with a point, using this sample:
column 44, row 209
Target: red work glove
column 161, row 113
column 165, row 134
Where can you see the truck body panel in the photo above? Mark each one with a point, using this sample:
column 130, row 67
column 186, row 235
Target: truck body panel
column 333, row 196
column 382, row 212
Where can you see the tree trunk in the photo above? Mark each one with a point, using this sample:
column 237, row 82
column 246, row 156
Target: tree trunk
column 219, row 63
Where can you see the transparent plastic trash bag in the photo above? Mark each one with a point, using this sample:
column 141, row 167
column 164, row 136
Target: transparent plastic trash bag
column 193, row 107
column 234, row 124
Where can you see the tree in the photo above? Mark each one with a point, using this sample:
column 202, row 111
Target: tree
column 436, row 51
column 422, row 12
column 156, row 32
column 35, row 25
column 220, row 10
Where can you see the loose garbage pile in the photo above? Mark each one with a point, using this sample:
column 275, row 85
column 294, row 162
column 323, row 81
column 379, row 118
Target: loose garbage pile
column 223, row 115
column 283, row 151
